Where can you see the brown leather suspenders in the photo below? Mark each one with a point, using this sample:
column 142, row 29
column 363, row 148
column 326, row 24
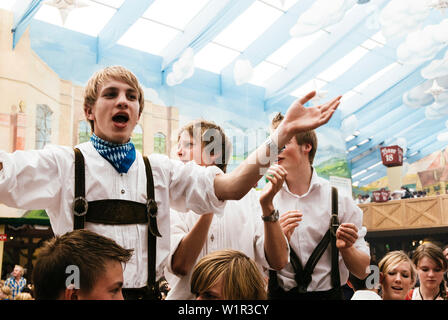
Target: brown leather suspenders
column 116, row 211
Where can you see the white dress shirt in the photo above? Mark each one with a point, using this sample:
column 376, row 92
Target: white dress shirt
column 365, row 295
column 240, row 228
column 315, row 206
column 44, row 179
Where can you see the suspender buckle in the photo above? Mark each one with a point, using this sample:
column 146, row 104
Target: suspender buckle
column 151, row 208
column 334, row 224
column 80, row 206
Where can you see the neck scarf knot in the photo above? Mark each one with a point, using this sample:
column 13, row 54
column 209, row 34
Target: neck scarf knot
column 120, row 156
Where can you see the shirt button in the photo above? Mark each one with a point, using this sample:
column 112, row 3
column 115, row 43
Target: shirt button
column 122, row 191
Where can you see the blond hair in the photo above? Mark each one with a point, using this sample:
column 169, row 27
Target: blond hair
column 306, row 137
column 98, row 79
column 24, row 296
column 240, row 276
column 7, row 291
column 394, row 258
column 208, row 130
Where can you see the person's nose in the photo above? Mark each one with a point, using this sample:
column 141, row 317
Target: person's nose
column 180, row 151
column 122, row 100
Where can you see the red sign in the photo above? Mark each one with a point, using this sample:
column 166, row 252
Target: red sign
column 381, row 195
column 3, row 237
column 392, row 156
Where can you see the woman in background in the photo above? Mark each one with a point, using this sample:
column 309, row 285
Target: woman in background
column 397, row 275
column 431, row 265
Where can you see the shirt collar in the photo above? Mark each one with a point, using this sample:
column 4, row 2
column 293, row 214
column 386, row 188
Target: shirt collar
column 315, row 182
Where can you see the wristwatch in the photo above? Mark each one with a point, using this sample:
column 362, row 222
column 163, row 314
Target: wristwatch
column 272, row 217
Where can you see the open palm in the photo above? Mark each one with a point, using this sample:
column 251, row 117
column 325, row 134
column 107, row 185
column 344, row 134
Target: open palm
column 299, row 119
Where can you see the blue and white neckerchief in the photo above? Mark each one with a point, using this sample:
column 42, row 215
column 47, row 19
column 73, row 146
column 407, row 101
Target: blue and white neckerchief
column 120, row 156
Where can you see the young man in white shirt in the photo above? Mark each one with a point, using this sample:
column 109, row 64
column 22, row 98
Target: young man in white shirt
column 45, row 179
column 305, row 191
column 240, row 228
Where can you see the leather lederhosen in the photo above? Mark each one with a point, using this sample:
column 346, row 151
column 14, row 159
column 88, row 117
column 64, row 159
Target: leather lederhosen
column 120, row 212
column 303, row 276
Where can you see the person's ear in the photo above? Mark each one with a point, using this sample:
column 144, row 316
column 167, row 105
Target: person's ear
column 71, row 294
column 88, row 113
column 306, row 147
column 381, row 277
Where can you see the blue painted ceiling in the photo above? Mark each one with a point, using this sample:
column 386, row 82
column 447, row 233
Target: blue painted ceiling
column 394, row 104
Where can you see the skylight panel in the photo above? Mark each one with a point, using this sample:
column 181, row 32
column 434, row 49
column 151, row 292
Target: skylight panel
column 314, row 84
column 110, row 3
column 7, row 4
column 281, row 5
column 343, row 64
column 176, row 13
column 148, row 36
column 263, row 71
column 214, row 57
column 89, row 20
column 293, row 47
column 248, row 26
column 373, row 78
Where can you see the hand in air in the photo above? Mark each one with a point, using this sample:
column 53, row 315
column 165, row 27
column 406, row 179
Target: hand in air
column 299, row 119
column 276, row 175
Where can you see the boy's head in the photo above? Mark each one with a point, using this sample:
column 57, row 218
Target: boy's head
column 306, row 140
column 205, row 143
column 80, row 265
column 227, row 275
column 113, row 103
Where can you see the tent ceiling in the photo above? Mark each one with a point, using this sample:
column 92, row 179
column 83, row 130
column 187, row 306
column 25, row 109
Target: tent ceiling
column 382, row 55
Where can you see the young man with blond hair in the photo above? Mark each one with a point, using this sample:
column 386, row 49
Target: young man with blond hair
column 116, row 189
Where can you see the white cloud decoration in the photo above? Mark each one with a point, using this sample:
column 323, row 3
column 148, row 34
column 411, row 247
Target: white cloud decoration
column 242, row 71
column 400, row 17
column 442, row 136
column 423, row 45
column 182, row 68
column 403, row 144
column 66, row 6
column 321, row 14
column 437, row 68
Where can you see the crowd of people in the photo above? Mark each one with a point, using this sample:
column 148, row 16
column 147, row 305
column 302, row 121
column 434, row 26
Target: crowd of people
column 134, row 227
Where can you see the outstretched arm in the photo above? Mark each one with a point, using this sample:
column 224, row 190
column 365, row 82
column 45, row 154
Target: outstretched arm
column 297, row 119
column 275, row 245
column 186, row 254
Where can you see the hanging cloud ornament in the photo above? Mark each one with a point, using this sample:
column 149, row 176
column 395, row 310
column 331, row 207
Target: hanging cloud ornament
column 436, row 69
column 400, row 17
column 66, row 6
column 323, row 13
column 182, row 68
column 242, row 71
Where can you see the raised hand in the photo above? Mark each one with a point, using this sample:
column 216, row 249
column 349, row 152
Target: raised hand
column 289, row 221
column 299, row 119
column 346, row 235
column 276, row 175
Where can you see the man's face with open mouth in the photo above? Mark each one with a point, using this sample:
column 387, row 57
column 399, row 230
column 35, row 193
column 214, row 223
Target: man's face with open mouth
column 115, row 112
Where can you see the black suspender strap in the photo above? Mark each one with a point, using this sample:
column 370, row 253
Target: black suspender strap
column 153, row 231
column 80, row 205
column 334, row 225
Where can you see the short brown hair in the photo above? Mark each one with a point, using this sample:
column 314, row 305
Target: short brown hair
column 207, row 130
column 82, row 248
column 307, row 137
column 240, row 276
column 118, row 73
